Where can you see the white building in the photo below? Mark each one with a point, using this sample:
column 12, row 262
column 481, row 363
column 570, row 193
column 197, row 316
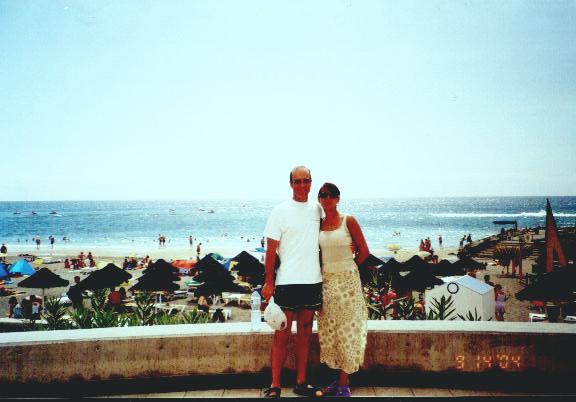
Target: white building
column 468, row 294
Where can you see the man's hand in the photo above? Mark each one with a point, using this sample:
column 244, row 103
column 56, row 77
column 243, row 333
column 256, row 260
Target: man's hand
column 267, row 291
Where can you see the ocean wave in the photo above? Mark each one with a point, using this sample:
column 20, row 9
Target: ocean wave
column 539, row 214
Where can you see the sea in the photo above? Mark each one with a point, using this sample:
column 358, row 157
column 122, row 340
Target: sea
column 239, row 224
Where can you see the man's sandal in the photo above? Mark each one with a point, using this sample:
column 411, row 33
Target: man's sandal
column 273, row 392
column 308, row 390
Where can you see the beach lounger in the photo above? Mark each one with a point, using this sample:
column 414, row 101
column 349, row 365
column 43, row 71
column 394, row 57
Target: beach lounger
column 180, row 294
column 535, row 317
column 571, row 319
column 226, row 312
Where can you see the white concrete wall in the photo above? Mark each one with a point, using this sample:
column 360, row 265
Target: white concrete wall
column 208, row 349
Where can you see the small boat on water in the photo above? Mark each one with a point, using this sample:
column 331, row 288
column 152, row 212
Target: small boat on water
column 17, row 213
column 53, row 213
column 34, row 213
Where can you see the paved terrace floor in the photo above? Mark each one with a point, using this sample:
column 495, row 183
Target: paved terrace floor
column 399, row 387
column 381, row 392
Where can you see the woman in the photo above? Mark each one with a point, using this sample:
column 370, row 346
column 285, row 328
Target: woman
column 500, row 298
column 342, row 320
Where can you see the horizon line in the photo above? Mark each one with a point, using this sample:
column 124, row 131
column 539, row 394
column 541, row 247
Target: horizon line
column 281, row 198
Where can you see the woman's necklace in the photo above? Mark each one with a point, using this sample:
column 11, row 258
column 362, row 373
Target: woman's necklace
column 331, row 223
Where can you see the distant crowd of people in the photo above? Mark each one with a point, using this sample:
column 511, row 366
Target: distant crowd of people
column 29, row 307
column 81, row 261
column 135, row 263
column 426, row 245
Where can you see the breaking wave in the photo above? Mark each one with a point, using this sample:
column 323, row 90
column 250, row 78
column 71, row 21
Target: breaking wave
column 539, row 214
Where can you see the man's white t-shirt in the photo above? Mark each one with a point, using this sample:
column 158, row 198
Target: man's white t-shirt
column 296, row 226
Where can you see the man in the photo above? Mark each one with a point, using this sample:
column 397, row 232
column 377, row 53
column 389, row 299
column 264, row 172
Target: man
column 75, row 294
column 292, row 230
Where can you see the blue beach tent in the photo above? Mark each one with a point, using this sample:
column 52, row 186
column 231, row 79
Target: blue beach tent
column 3, row 272
column 22, row 267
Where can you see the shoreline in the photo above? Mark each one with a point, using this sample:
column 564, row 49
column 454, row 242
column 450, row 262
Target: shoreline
column 186, row 252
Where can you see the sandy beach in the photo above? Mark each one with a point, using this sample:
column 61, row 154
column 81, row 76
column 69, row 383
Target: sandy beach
column 516, row 310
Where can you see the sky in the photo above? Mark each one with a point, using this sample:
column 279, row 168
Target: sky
column 166, row 99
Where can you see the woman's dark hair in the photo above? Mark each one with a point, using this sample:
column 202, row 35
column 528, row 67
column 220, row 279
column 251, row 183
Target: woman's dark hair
column 13, row 300
column 330, row 188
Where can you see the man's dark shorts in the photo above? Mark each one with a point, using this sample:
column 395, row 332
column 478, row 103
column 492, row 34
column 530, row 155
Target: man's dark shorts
column 299, row 297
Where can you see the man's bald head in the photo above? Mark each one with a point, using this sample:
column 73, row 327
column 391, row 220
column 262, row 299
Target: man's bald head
column 297, row 168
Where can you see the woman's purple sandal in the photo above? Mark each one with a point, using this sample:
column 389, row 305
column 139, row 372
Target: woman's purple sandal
column 343, row 391
column 330, row 390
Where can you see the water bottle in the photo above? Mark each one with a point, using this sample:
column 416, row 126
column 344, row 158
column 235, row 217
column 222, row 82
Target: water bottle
column 255, row 315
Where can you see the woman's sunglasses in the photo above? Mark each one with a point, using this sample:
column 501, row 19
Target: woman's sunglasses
column 324, row 194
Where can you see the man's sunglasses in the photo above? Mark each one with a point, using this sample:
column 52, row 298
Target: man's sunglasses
column 324, row 194
column 301, row 181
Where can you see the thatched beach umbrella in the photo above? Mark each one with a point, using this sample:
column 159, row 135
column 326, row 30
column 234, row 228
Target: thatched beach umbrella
column 446, row 268
column 215, row 278
column 104, row 278
column 159, row 276
column 415, row 263
column 370, row 265
column 208, row 263
column 372, row 261
column 161, row 265
column 43, row 279
column 556, row 286
column 244, row 256
column 392, row 265
column 250, row 267
column 468, row 263
column 155, row 284
column 419, row 280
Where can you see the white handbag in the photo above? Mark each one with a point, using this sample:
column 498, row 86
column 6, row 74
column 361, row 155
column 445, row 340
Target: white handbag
column 274, row 316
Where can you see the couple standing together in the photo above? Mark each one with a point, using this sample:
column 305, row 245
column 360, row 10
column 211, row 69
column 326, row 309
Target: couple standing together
column 298, row 231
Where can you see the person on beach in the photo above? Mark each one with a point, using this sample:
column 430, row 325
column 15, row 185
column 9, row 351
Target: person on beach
column 292, row 230
column 342, row 323
column 12, row 302
column 115, row 299
column 500, row 298
column 75, row 294
column 3, row 250
column 16, row 309
column 198, row 250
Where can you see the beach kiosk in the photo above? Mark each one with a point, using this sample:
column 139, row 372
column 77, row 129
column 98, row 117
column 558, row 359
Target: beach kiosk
column 468, row 294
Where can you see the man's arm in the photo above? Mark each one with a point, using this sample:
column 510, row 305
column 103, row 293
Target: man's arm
column 268, row 289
